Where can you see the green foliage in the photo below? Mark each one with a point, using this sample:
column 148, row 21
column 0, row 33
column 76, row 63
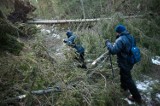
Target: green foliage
column 10, row 44
column 155, row 92
column 38, row 67
column 29, row 30
column 89, row 8
column 108, row 27
column 154, row 5
column 109, row 96
column 156, row 88
column 68, row 9
column 44, row 9
column 145, row 64
column 93, row 43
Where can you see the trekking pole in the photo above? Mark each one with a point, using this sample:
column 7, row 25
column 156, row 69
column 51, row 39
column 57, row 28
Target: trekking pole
column 111, row 65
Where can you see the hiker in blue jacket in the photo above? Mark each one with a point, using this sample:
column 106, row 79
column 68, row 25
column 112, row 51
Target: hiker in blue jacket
column 121, row 48
column 70, row 41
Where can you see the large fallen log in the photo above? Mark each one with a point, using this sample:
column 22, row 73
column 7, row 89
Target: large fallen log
column 75, row 20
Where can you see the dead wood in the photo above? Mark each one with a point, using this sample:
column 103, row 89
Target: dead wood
column 75, row 20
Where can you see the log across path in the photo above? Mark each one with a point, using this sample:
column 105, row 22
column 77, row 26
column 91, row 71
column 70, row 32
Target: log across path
column 75, row 20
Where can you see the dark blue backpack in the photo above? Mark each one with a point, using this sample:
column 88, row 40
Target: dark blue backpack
column 134, row 52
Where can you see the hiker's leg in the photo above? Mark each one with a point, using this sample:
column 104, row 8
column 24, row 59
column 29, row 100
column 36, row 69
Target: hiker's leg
column 131, row 85
column 133, row 90
column 122, row 80
column 82, row 60
column 77, row 57
column 81, row 56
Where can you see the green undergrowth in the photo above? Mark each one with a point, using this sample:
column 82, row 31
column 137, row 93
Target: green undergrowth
column 38, row 67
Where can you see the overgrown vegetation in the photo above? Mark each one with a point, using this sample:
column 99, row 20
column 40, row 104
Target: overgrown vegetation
column 67, row 9
column 39, row 67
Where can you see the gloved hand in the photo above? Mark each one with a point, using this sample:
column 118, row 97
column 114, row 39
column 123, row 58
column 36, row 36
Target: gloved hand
column 64, row 40
column 107, row 42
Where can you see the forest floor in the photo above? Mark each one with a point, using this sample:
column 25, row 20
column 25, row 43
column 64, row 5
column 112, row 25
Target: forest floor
column 51, row 38
column 146, row 84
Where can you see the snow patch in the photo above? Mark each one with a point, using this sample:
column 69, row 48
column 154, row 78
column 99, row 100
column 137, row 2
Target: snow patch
column 156, row 60
column 38, row 26
column 45, row 31
column 142, row 86
column 56, row 36
column 59, row 54
column 146, row 85
column 128, row 101
column 21, row 96
column 158, row 96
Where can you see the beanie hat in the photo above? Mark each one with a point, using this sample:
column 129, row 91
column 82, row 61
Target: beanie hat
column 120, row 28
column 69, row 33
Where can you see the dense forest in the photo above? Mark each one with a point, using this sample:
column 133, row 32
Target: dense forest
column 38, row 69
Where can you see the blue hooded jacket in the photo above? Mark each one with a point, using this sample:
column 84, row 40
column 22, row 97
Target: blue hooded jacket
column 70, row 42
column 122, row 47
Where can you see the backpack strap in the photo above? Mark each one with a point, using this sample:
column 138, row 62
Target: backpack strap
column 132, row 40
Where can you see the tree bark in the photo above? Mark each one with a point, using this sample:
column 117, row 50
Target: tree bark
column 75, row 20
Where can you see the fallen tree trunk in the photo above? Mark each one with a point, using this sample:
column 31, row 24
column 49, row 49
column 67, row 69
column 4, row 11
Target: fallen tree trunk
column 75, row 20
column 45, row 91
column 99, row 59
column 36, row 92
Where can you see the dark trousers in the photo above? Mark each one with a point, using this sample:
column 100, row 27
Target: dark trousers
column 128, row 84
column 81, row 56
column 81, row 60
